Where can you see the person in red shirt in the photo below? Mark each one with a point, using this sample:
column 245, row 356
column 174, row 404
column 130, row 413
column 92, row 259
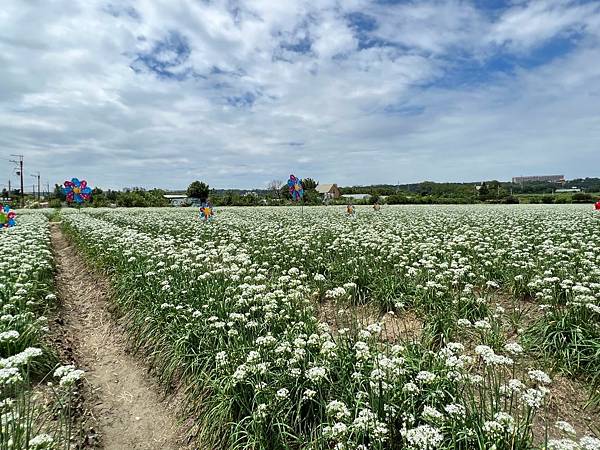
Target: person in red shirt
column 597, row 205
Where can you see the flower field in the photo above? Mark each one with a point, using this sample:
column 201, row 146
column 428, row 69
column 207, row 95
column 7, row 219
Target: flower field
column 411, row 327
column 31, row 417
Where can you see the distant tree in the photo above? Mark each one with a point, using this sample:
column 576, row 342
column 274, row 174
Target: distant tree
column 311, row 197
column 581, row 197
column 587, row 184
column 198, row 190
column 285, row 192
column 58, row 193
column 397, row 199
column 275, row 187
column 228, row 199
column 309, row 184
column 375, row 198
column 484, row 192
column 427, row 188
column 494, row 188
column 98, row 198
column 156, row 197
column 112, row 195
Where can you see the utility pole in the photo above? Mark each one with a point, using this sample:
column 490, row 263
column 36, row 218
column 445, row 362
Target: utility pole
column 20, row 172
column 37, row 175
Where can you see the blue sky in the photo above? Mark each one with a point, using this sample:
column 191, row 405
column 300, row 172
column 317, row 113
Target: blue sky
column 237, row 93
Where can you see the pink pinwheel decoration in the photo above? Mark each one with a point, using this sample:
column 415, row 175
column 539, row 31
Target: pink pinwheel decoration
column 77, row 191
column 7, row 216
column 295, row 187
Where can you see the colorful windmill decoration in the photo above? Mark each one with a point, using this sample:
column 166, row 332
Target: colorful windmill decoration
column 77, row 191
column 206, row 211
column 295, row 187
column 7, row 216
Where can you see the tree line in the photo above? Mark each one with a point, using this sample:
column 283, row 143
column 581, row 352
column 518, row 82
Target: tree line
column 277, row 193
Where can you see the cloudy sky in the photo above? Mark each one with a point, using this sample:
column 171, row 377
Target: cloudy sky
column 239, row 92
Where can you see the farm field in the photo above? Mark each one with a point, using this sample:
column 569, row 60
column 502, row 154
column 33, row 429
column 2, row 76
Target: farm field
column 38, row 392
column 408, row 328
column 470, row 327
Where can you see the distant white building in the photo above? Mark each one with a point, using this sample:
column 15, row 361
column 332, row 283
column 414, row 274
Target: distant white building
column 573, row 189
column 357, row 196
column 177, row 199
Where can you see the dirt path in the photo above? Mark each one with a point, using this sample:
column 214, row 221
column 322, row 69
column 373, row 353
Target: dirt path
column 128, row 409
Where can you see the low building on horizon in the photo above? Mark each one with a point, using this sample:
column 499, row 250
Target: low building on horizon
column 546, row 178
column 177, row 199
column 329, row 191
column 357, row 196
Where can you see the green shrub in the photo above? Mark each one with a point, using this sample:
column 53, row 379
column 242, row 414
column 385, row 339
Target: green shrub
column 547, row 199
column 581, row 197
column 55, row 203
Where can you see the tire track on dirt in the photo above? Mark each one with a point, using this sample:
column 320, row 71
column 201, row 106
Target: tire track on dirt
column 128, row 409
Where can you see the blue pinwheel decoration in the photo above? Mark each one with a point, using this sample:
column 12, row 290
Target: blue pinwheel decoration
column 77, row 191
column 295, row 187
column 7, row 217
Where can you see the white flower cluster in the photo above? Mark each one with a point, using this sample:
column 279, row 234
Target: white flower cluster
column 423, row 437
column 41, row 441
column 68, row 374
column 490, row 357
column 10, row 376
column 9, row 336
column 21, row 359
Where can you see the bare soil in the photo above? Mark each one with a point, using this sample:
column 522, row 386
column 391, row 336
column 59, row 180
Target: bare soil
column 125, row 402
column 396, row 327
column 568, row 400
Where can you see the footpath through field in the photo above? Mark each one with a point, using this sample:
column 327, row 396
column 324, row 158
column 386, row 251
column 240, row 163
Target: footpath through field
column 127, row 406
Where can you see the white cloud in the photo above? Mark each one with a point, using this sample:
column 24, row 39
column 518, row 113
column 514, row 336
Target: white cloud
column 219, row 90
column 531, row 24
